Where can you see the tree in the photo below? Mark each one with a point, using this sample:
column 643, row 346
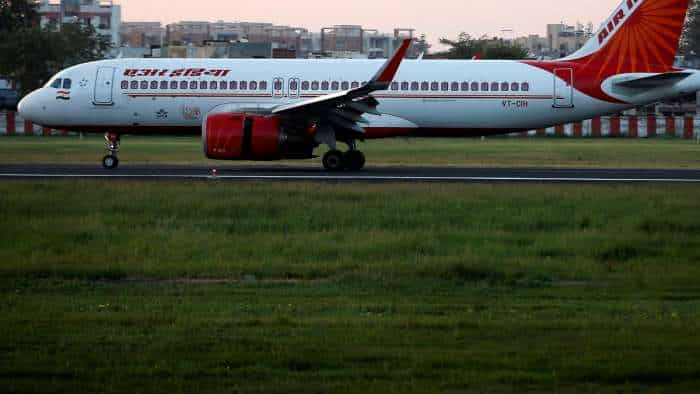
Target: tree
column 690, row 41
column 17, row 14
column 466, row 47
column 31, row 55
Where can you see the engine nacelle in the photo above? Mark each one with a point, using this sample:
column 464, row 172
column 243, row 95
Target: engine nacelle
column 240, row 136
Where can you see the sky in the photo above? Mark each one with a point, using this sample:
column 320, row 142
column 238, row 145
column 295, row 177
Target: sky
column 435, row 18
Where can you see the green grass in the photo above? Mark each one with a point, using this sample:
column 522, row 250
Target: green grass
column 491, row 152
column 245, row 287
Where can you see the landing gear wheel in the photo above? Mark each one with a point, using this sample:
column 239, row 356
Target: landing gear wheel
column 110, row 162
column 354, row 160
column 333, row 160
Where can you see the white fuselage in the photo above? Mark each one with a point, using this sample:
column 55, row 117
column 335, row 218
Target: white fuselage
column 428, row 96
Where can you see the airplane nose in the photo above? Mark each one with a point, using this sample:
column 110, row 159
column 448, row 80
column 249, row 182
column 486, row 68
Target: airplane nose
column 21, row 106
column 25, row 108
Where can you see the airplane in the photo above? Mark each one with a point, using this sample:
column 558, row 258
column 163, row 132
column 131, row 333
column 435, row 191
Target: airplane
column 276, row 109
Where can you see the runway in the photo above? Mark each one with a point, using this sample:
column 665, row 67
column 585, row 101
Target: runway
column 371, row 174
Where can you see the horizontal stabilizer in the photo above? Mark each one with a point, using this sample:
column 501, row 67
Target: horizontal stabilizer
column 654, row 81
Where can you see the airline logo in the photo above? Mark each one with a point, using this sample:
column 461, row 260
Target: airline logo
column 617, row 20
column 181, row 72
column 63, row 95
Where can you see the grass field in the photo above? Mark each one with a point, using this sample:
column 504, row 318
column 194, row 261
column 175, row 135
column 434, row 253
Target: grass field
column 491, row 152
column 244, row 287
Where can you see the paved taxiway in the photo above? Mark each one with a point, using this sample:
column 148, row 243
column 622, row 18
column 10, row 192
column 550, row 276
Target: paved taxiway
column 370, row 174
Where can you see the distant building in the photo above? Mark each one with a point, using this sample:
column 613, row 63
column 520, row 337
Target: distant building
column 142, row 34
column 187, row 32
column 564, row 40
column 342, row 38
column 102, row 15
column 220, row 50
column 536, row 45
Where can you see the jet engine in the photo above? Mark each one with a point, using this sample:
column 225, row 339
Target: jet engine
column 240, row 136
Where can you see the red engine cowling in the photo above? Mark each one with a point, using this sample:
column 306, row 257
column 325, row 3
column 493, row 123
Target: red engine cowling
column 229, row 136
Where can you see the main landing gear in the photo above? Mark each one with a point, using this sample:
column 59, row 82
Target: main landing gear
column 352, row 160
column 111, row 161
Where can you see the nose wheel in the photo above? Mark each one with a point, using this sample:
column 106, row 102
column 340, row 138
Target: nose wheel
column 111, row 161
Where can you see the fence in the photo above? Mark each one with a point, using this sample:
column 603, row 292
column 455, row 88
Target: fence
column 13, row 124
column 626, row 127
column 613, row 126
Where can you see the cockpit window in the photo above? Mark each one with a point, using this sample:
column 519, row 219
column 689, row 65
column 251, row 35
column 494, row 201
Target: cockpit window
column 56, row 84
column 67, row 83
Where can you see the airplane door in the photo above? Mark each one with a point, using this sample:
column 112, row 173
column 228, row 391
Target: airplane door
column 563, row 88
column 278, row 88
column 103, row 86
column 294, row 88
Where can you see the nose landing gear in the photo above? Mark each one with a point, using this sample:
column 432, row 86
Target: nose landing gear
column 111, row 161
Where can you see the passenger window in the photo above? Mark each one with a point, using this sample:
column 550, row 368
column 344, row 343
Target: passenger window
column 56, row 84
column 525, row 87
column 314, row 85
column 134, row 85
column 355, row 85
column 394, row 86
column 243, row 85
column 262, row 85
column 223, row 85
column 424, row 86
column 484, row 86
column 213, row 85
column 414, row 86
column 515, row 86
column 434, row 86
column 304, row 85
column 345, row 85
column 404, row 85
column 183, row 85
column 67, row 83
column 494, row 86
column 144, row 85
column 475, row 86
column 253, row 85
column 455, row 86
column 335, row 85
column 173, row 85
column 505, row 86
column 125, row 85
column 233, row 85
column 203, row 85
column 163, row 85
column 193, row 85
column 324, row 85
column 154, row 85
column 445, row 86
column 464, row 86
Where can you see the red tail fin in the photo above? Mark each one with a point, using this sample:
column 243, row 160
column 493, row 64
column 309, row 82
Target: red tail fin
column 641, row 36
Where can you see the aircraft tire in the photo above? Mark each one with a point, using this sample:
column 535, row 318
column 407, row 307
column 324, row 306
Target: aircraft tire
column 110, row 162
column 334, row 160
column 354, row 160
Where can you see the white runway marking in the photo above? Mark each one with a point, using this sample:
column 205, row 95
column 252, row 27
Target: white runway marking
column 357, row 178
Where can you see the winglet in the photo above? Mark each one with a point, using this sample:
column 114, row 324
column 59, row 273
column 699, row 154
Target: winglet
column 386, row 74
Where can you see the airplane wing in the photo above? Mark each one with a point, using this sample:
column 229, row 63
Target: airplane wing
column 654, row 81
column 343, row 110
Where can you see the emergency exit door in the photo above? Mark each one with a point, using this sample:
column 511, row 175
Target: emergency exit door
column 563, row 88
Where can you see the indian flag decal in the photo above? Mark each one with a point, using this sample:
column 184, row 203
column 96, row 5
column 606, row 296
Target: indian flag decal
column 63, row 95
